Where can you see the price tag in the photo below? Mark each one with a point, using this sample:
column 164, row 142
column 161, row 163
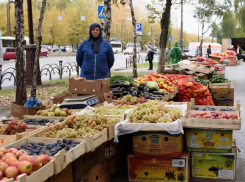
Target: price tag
column 225, row 173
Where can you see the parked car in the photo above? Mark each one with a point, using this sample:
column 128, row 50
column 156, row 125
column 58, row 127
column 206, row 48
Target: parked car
column 44, row 52
column 129, row 50
column 55, row 49
column 9, row 53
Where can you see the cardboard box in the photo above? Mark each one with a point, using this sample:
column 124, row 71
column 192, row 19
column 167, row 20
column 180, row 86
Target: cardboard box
column 224, row 103
column 222, row 94
column 99, row 173
column 64, row 176
column 19, row 111
column 157, row 144
column 159, row 169
column 112, row 148
column 60, row 98
column 108, row 97
column 206, row 140
column 83, row 86
column 214, row 165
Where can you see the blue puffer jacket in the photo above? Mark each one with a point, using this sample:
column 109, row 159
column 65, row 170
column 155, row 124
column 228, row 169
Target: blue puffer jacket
column 89, row 62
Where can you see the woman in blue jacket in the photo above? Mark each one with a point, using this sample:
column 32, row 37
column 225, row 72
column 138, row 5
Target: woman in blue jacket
column 95, row 55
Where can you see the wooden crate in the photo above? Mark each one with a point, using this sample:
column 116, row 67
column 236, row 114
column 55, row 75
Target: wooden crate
column 192, row 106
column 43, row 117
column 91, row 142
column 221, row 124
column 61, row 159
column 220, row 85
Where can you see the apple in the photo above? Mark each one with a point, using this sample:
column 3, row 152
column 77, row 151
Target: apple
column 44, row 159
column 25, row 158
column 3, row 150
column 5, row 179
column 11, row 172
column 36, row 164
column 8, row 155
column 1, row 155
column 25, row 167
column 15, row 164
column 13, row 150
column 20, row 153
column 9, row 160
column 3, row 166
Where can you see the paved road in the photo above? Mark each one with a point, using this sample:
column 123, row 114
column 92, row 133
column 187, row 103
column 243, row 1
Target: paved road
column 119, row 64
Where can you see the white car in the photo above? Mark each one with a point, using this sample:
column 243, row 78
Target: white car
column 129, row 50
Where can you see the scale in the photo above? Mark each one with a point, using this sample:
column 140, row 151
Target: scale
column 79, row 102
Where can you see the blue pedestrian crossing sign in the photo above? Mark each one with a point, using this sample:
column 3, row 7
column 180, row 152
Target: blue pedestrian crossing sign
column 101, row 12
column 170, row 38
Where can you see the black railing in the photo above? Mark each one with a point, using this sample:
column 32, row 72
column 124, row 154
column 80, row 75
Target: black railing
column 47, row 69
column 129, row 60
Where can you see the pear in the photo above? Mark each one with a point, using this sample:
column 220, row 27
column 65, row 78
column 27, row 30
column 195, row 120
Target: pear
column 39, row 112
column 44, row 113
column 51, row 114
column 57, row 111
column 55, row 107
column 63, row 113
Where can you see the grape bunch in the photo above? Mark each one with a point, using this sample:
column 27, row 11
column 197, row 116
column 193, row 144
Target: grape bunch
column 41, row 122
column 154, row 112
column 111, row 110
column 15, row 127
column 80, row 126
column 130, row 100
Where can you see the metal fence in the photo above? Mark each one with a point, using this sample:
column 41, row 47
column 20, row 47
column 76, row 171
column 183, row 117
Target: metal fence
column 129, row 60
column 47, row 69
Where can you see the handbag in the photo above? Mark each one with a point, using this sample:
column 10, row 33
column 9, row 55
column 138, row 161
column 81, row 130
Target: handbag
column 146, row 58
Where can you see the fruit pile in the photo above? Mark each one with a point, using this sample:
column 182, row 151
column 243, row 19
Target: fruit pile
column 80, row 126
column 12, row 128
column 55, row 111
column 15, row 162
column 41, row 122
column 216, row 68
column 154, row 112
column 111, row 110
column 209, row 60
column 213, row 109
column 129, row 100
column 40, row 148
column 213, row 115
column 192, row 89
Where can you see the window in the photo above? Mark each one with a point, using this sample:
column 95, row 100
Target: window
column 8, row 50
column 12, row 50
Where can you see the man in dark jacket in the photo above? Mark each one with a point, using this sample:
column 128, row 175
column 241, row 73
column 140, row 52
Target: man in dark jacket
column 239, row 52
column 95, row 55
column 209, row 51
column 150, row 56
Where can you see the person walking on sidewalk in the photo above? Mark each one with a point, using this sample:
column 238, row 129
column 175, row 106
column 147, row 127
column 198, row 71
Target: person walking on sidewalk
column 239, row 52
column 209, row 51
column 150, row 56
column 95, row 55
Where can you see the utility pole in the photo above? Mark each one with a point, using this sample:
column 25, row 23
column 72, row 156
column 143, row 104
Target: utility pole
column 181, row 27
column 8, row 18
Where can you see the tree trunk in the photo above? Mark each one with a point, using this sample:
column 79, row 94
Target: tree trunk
column 37, row 54
column 200, row 47
column 20, row 60
column 107, row 20
column 164, row 36
column 135, row 75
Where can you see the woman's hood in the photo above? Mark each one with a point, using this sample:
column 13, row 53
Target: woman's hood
column 90, row 28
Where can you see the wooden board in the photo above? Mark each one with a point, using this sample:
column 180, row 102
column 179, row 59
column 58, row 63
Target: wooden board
column 42, row 117
column 220, row 85
column 221, row 124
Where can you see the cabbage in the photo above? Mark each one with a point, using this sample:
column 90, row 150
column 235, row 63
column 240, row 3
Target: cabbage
column 152, row 85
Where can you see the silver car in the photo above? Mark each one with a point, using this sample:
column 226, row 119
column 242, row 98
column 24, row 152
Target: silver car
column 129, row 50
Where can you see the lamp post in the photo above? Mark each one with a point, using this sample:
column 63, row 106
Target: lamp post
column 197, row 26
column 8, row 17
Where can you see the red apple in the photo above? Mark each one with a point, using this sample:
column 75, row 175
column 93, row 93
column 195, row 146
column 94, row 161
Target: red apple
column 8, row 155
column 1, row 155
column 15, row 164
column 3, row 150
column 3, row 166
column 25, row 167
column 44, row 159
column 9, row 160
column 13, row 150
column 5, row 179
column 36, row 164
column 25, row 158
column 11, row 172
column 20, row 153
